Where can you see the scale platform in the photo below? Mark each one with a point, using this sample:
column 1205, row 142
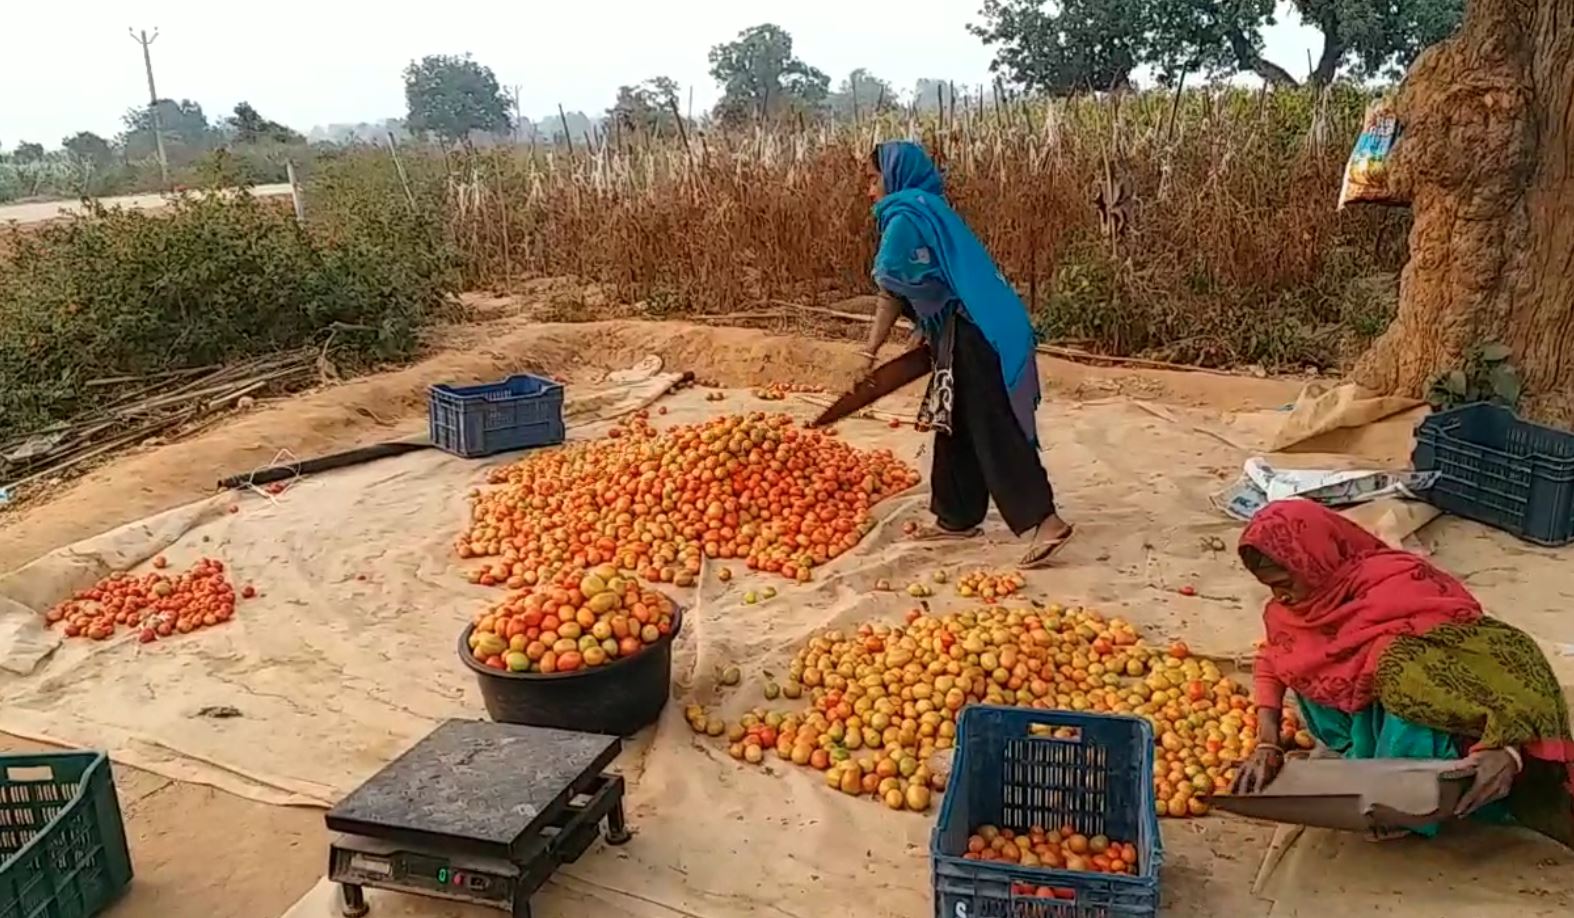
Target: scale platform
column 476, row 812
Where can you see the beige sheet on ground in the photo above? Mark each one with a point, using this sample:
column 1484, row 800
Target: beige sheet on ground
column 334, row 675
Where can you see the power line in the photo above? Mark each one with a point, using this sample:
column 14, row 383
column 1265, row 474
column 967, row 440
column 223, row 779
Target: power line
column 142, row 38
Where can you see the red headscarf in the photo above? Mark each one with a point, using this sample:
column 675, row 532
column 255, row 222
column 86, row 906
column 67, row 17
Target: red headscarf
column 1361, row 595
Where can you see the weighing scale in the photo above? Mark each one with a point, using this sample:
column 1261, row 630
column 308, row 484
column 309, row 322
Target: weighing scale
column 476, row 812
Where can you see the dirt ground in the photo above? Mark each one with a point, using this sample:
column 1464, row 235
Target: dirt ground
column 202, row 852
column 392, row 406
column 44, row 211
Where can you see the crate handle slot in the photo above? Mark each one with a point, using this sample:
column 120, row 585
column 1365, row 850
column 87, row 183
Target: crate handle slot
column 30, row 774
column 1053, row 732
column 1024, row 893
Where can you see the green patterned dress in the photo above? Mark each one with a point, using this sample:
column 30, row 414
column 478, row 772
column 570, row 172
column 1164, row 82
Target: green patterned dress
column 1483, row 685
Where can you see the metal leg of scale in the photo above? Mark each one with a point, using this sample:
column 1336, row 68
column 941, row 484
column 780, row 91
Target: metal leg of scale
column 352, row 901
column 617, row 826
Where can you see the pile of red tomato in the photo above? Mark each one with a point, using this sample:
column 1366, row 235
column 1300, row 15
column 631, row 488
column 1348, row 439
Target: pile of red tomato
column 156, row 604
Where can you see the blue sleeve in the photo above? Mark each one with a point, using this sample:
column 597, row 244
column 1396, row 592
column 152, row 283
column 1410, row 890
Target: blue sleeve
column 906, row 266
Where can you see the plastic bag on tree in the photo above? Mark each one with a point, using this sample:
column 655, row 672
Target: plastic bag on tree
column 1366, row 175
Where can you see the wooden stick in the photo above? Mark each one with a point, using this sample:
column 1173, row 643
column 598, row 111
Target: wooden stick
column 1065, row 353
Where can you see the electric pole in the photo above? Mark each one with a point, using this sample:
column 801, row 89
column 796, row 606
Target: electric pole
column 142, row 38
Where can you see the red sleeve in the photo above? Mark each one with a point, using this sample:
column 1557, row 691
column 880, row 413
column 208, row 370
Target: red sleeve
column 1267, row 690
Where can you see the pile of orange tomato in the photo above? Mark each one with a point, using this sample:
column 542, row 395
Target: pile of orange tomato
column 752, row 487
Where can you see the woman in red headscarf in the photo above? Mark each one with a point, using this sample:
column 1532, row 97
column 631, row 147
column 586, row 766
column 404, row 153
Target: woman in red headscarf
column 1389, row 657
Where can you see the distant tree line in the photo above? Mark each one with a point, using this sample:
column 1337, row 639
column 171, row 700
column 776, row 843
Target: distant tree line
column 89, row 164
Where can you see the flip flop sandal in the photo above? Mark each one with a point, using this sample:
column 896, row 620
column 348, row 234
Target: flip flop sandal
column 941, row 534
column 1377, row 836
column 1040, row 556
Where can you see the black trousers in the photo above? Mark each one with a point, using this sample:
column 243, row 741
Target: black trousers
column 986, row 454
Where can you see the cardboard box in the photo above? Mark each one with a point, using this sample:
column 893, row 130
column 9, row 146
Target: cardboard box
column 1356, row 794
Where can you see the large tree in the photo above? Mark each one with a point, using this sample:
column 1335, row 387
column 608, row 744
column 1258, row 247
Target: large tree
column 1484, row 161
column 249, row 126
column 451, row 96
column 650, row 107
column 27, row 153
column 1067, row 47
column 185, row 128
column 862, row 93
column 90, row 150
column 761, row 78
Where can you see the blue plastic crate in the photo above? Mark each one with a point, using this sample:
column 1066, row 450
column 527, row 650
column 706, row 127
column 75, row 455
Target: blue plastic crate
column 518, row 413
column 1497, row 469
column 62, row 842
column 1100, row 782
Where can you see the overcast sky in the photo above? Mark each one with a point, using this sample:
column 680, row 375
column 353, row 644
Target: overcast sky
column 70, row 66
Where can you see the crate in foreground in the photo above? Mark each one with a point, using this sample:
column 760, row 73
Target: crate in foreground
column 1497, row 469
column 518, row 413
column 1016, row 768
column 62, row 843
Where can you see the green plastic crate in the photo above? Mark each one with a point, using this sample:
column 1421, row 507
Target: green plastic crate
column 62, row 843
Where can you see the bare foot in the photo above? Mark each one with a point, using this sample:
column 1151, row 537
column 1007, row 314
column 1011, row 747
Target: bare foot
column 1048, row 539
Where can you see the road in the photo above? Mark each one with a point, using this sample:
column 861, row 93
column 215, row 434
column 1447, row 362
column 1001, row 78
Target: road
column 50, row 210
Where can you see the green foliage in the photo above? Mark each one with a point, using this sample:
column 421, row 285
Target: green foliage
column 650, row 107
column 250, row 127
column 89, row 149
column 1381, row 40
column 1216, row 37
column 1065, row 48
column 1068, row 46
column 451, row 96
column 210, row 279
column 187, row 134
column 761, row 78
column 28, row 153
column 1488, row 375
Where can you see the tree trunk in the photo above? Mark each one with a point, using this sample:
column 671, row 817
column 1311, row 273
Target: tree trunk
column 1486, row 158
column 1328, row 64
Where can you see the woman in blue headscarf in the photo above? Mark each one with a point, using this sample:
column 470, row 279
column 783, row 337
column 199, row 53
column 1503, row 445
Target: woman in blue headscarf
column 984, row 390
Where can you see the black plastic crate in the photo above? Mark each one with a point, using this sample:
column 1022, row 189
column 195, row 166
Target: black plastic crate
column 62, row 843
column 1497, row 469
column 518, row 413
column 1008, row 773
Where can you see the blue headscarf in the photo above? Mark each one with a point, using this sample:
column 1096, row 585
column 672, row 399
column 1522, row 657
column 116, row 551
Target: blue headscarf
column 930, row 257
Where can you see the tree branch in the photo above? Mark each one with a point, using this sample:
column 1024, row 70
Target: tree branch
column 1247, row 58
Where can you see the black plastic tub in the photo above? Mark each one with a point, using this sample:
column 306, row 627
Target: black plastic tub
column 620, row 698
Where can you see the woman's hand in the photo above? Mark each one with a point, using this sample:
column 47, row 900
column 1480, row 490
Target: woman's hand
column 1495, row 771
column 1259, row 769
column 850, row 379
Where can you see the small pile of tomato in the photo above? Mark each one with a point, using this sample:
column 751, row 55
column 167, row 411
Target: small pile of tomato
column 156, row 604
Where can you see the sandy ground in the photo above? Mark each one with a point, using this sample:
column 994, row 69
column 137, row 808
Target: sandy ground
column 266, row 857
column 392, row 406
column 202, row 852
column 45, row 211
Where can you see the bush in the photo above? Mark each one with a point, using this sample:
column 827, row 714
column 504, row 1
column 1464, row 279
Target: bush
column 1233, row 252
column 210, row 279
